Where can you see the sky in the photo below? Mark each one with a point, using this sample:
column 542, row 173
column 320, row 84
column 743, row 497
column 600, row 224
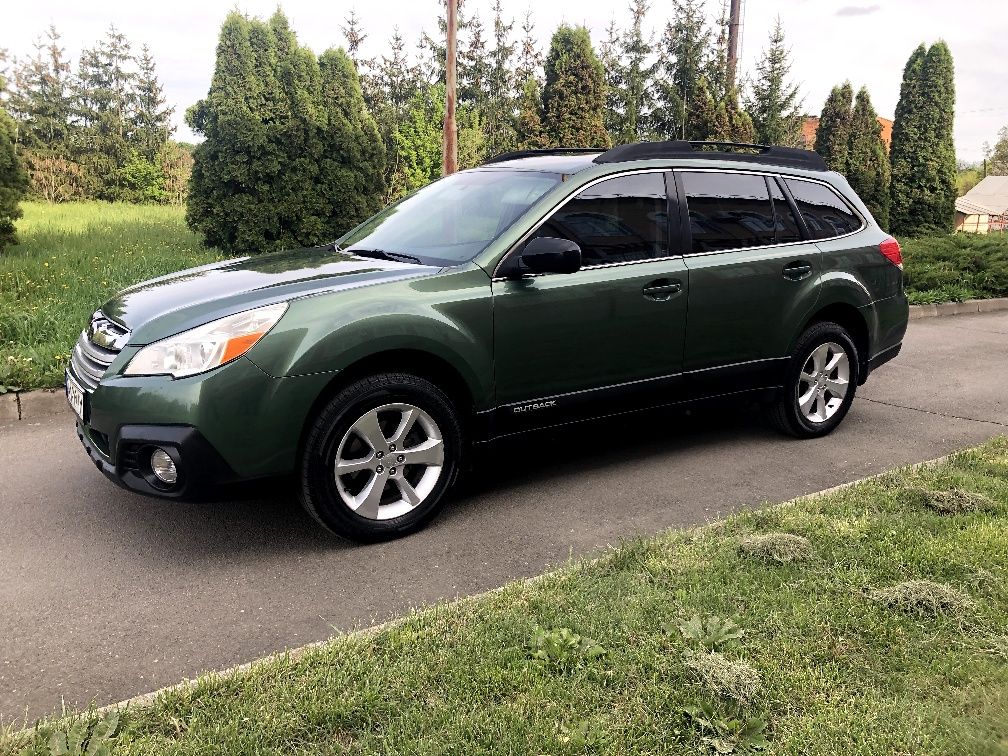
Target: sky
column 860, row 40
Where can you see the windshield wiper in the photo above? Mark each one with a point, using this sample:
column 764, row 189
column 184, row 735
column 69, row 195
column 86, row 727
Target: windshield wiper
column 381, row 254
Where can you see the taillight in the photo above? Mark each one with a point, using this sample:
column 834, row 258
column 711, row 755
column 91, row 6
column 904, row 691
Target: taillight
column 891, row 249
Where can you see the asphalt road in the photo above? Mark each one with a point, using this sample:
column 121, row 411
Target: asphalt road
column 104, row 594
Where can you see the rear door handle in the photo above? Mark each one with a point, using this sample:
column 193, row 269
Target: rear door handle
column 797, row 270
column 662, row 290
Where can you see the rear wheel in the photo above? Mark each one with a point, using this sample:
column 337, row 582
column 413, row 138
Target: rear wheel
column 380, row 457
column 820, row 383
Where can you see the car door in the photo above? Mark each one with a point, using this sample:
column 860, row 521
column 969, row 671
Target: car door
column 752, row 277
column 609, row 335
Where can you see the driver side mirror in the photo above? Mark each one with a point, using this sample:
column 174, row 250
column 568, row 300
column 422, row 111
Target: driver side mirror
column 548, row 254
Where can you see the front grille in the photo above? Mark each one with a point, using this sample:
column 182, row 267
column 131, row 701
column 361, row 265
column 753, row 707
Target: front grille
column 89, row 360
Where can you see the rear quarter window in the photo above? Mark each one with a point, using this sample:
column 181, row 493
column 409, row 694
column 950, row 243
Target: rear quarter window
column 825, row 212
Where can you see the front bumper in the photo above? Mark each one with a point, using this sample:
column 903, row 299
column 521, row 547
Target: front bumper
column 201, row 469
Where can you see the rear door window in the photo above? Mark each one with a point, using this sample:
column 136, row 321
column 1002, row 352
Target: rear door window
column 728, row 210
column 825, row 212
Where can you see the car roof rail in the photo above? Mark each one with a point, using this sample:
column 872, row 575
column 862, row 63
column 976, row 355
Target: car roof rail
column 519, row 154
column 739, row 151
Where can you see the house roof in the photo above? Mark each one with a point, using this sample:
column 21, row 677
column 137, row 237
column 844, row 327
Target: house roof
column 992, row 193
column 967, row 206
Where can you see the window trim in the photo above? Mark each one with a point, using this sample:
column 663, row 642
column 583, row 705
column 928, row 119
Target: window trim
column 687, row 232
column 507, row 256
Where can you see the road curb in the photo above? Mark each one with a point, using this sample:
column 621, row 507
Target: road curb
column 146, row 699
column 39, row 403
column 968, row 307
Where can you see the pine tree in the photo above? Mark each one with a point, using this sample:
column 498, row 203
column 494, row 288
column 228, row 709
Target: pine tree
column 499, row 121
column 905, row 150
column 774, row 105
column 938, row 171
column 529, row 57
column 834, row 130
column 355, row 37
column 41, row 101
column 866, row 160
column 351, row 173
column 612, row 64
column 574, row 93
column 635, row 93
column 151, row 118
column 684, row 106
column 474, row 67
column 434, row 50
column 529, row 126
column 731, row 122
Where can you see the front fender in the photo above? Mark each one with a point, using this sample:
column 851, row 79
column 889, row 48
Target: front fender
column 448, row 315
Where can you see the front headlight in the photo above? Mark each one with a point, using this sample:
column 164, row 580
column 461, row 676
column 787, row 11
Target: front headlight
column 206, row 347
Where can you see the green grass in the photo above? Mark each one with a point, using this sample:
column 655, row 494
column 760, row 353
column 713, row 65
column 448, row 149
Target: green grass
column 71, row 258
column 955, row 267
column 887, row 634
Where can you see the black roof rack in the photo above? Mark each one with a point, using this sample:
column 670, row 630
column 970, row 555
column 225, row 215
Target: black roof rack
column 738, row 151
column 518, row 154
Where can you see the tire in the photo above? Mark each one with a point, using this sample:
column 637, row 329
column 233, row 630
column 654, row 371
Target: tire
column 820, row 346
column 357, row 429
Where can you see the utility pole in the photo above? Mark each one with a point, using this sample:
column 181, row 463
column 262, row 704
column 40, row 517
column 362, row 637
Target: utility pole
column 734, row 23
column 449, row 140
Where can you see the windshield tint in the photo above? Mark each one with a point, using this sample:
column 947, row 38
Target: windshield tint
column 454, row 219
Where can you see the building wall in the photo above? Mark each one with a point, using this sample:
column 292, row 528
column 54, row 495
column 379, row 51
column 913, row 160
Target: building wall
column 974, row 224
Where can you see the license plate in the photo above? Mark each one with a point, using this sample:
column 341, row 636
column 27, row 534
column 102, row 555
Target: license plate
column 75, row 396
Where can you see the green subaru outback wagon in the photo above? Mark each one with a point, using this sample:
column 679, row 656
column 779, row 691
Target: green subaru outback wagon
column 539, row 289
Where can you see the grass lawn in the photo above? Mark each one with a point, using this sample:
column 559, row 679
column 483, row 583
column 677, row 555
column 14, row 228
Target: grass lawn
column 957, row 267
column 71, row 258
column 873, row 620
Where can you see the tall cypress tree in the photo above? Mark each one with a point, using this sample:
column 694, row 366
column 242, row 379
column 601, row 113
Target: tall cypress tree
column 574, row 93
column 938, row 171
column 905, row 150
column 834, row 130
column 351, row 172
column 773, row 104
column 529, row 126
column 13, row 181
column 866, row 161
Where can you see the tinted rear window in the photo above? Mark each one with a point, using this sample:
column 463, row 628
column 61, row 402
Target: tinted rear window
column 825, row 213
column 728, row 210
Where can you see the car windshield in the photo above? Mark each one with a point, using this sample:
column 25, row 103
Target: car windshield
column 452, row 220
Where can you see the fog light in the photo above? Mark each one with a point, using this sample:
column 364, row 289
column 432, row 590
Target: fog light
column 163, row 467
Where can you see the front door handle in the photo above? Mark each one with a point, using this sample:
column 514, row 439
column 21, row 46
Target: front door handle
column 662, row 290
column 797, row 270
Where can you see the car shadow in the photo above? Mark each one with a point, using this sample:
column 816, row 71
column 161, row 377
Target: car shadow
column 268, row 518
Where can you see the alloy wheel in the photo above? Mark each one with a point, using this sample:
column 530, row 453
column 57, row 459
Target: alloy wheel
column 823, row 382
column 389, row 461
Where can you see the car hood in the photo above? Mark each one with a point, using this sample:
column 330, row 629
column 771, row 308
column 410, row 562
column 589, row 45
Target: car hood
column 164, row 306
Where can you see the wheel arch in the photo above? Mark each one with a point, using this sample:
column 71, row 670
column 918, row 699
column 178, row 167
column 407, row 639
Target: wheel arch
column 853, row 321
column 418, row 362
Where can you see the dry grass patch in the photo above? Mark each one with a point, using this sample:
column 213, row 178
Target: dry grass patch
column 776, row 547
column 951, row 502
column 725, row 678
column 924, row 598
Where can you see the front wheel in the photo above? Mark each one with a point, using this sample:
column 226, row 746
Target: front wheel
column 820, row 383
column 380, row 457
